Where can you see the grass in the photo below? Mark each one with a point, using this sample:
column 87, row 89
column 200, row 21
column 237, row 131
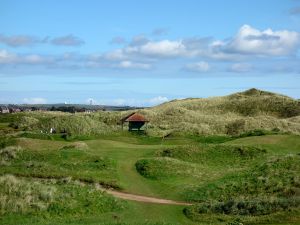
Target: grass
column 237, row 163
column 44, row 159
column 234, row 114
column 19, row 196
column 56, row 199
column 176, row 167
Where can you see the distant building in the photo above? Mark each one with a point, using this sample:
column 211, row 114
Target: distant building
column 135, row 121
column 14, row 110
column 27, row 110
column 4, row 109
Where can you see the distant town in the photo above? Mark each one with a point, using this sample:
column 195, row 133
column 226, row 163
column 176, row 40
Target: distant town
column 71, row 108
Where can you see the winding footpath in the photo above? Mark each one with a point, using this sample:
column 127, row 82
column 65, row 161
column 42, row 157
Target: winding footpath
column 140, row 198
column 122, row 195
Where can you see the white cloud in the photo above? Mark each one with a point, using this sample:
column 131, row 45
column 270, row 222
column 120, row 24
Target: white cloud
column 34, row 100
column 21, row 40
column 139, row 40
column 198, row 67
column 251, row 41
column 248, row 42
column 68, row 40
column 115, row 55
column 133, row 65
column 164, row 48
column 158, row 100
column 248, row 45
column 15, row 59
column 35, row 59
column 241, row 67
column 134, row 102
column 7, row 57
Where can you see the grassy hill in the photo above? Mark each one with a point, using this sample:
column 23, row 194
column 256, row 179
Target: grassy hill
column 228, row 115
column 234, row 158
column 249, row 110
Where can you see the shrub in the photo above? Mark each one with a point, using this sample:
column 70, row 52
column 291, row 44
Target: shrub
column 235, row 127
column 255, row 207
column 4, row 142
column 256, row 132
column 9, row 153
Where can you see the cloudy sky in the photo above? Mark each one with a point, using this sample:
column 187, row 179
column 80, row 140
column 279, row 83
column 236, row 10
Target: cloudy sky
column 135, row 52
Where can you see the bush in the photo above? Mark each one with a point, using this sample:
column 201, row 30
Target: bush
column 4, row 142
column 9, row 153
column 235, row 127
column 256, row 132
column 255, row 207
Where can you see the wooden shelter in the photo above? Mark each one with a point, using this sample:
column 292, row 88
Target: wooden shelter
column 135, row 121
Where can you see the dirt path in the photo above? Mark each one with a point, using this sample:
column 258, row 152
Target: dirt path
column 140, row 198
column 122, row 195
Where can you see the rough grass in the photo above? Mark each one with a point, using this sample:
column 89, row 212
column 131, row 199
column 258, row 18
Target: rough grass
column 231, row 179
column 77, row 199
column 19, row 196
column 8, row 153
column 269, row 188
column 55, row 198
column 253, row 207
column 229, row 115
column 61, row 162
column 278, row 177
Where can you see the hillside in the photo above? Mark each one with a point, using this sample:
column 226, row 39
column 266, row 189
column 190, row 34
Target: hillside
column 228, row 115
column 89, row 172
column 253, row 109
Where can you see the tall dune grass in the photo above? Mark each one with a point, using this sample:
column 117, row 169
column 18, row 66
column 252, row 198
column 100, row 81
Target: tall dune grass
column 200, row 116
column 20, row 196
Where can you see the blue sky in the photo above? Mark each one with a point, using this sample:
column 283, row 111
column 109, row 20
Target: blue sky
column 143, row 53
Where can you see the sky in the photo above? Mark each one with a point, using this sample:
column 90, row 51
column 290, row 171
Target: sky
column 143, row 53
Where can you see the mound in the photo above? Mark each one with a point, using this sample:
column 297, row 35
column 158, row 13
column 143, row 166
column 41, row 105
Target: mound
column 165, row 168
column 269, row 188
column 222, row 155
column 253, row 109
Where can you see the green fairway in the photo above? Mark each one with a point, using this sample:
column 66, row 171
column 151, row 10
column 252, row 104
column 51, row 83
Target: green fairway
column 251, row 177
column 172, row 171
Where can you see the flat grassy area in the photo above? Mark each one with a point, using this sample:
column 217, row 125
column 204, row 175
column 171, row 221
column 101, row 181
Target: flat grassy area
column 178, row 168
